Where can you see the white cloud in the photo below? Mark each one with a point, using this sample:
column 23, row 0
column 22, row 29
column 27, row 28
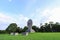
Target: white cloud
column 46, row 15
column 22, row 17
column 5, row 20
column 22, row 20
column 55, row 15
column 50, row 14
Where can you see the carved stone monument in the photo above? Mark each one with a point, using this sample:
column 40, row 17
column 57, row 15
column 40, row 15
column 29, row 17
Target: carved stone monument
column 29, row 24
column 29, row 30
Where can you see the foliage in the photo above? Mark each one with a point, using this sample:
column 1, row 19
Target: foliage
column 24, row 29
column 35, row 28
column 19, row 30
column 3, row 32
column 12, row 27
column 54, row 27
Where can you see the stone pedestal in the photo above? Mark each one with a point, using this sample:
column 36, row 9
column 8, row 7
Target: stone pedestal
column 25, row 33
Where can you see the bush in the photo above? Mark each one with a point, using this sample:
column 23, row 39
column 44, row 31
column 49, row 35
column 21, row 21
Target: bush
column 3, row 32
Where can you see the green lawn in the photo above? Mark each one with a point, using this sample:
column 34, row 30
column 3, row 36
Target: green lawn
column 32, row 36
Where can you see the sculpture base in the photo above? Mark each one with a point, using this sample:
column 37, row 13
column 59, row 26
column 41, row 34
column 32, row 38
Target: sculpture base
column 30, row 31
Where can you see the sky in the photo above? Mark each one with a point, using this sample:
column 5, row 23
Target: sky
column 20, row 11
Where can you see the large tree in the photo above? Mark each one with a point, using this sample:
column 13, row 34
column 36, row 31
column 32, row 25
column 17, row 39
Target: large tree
column 12, row 27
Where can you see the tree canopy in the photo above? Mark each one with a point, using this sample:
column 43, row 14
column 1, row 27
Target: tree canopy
column 12, row 27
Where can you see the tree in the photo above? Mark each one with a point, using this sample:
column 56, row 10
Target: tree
column 35, row 28
column 19, row 30
column 57, row 23
column 12, row 27
column 56, row 27
column 3, row 32
column 24, row 29
column 47, row 28
column 46, row 24
column 42, row 29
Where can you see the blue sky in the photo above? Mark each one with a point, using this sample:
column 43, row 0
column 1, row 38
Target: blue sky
column 20, row 11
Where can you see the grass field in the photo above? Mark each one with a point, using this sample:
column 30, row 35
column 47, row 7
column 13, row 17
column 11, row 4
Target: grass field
column 32, row 36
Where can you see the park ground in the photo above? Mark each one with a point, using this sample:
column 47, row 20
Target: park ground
column 31, row 36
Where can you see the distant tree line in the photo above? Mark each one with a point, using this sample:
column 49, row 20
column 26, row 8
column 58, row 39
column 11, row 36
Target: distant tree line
column 51, row 27
column 47, row 27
